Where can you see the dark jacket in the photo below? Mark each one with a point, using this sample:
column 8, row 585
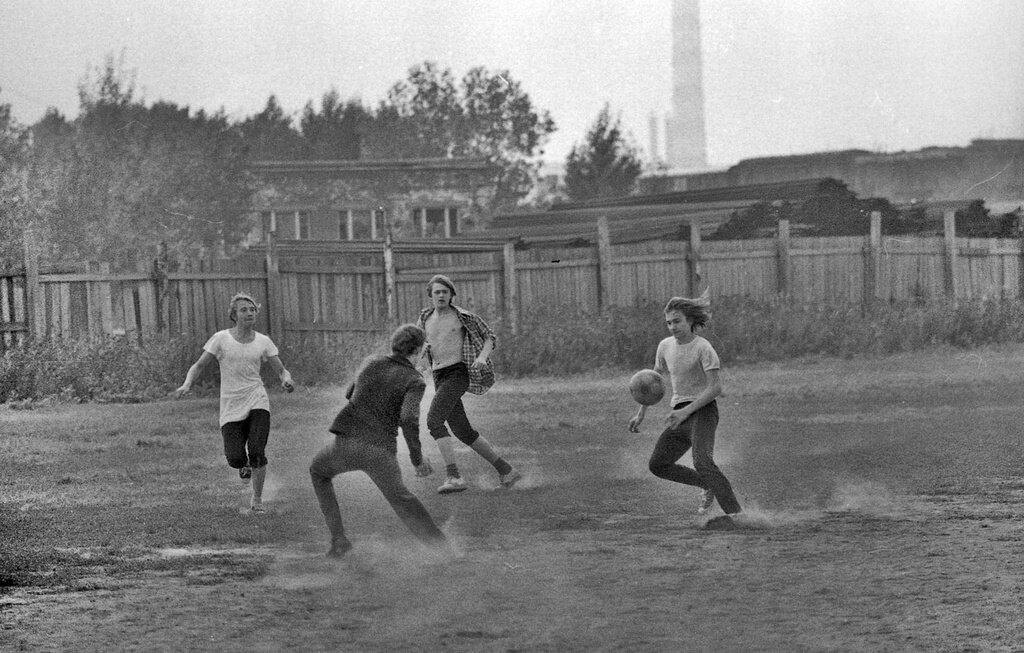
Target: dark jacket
column 385, row 395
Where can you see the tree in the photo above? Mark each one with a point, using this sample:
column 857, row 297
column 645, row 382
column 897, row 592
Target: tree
column 13, row 192
column 269, row 134
column 123, row 177
column 604, row 165
column 486, row 114
column 335, row 132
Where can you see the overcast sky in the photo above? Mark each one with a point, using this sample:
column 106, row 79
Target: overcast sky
column 780, row 76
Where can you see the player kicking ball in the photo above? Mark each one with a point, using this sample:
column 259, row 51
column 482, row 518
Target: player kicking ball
column 244, row 404
column 693, row 367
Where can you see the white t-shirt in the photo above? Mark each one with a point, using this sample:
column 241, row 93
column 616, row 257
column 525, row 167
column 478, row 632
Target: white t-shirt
column 687, row 366
column 241, row 388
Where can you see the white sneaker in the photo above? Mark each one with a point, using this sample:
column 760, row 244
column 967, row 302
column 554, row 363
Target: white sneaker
column 452, row 484
column 707, row 500
column 508, row 480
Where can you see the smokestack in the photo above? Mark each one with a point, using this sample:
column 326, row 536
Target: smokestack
column 654, row 142
column 685, row 141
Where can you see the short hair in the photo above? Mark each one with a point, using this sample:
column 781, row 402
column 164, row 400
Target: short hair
column 697, row 310
column 407, row 338
column 233, row 312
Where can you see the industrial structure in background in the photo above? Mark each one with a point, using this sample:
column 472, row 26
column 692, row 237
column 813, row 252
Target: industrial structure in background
column 685, row 138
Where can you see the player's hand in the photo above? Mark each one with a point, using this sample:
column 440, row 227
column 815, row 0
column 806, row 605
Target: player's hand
column 424, row 468
column 634, row 424
column 177, row 393
column 676, row 417
column 479, row 364
column 288, row 385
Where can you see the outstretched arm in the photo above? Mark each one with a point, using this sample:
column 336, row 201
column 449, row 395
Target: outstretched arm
column 193, row 372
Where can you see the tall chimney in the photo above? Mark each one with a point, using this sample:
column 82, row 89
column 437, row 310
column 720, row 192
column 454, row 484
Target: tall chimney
column 685, row 141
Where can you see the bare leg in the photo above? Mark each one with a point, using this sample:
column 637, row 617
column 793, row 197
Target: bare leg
column 446, row 446
column 259, row 475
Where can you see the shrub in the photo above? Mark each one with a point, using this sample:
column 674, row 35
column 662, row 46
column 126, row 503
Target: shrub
column 548, row 342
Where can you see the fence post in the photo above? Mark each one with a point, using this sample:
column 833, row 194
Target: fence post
column 35, row 315
column 275, row 294
column 389, row 275
column 511, row 287
column 604, row 264
column 161, row 285
column 873, row 265
column 949, row 260
column 693, row 258
column 782, row 260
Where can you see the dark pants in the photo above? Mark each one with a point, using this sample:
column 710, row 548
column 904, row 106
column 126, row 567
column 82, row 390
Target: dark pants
column 245, row 441
column 450, row 383
column 349, row 454
column 699, row 432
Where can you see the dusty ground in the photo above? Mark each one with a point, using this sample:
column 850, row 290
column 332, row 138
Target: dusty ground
column 884, row 502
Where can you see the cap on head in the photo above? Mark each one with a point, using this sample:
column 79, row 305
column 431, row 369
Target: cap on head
column 233, row 311
column 441, row 279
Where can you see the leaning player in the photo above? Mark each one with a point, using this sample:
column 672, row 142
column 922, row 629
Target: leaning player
column 459, row 345
column 244, row 404
column 693, row 367
column 385, row 395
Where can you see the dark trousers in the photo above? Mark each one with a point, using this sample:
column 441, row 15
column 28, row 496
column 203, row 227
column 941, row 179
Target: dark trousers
column 697, row 431
column 245, row 441
column 349, row 454
column 450, row 383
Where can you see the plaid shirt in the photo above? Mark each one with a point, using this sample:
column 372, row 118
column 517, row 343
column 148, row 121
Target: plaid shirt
column 475, row 333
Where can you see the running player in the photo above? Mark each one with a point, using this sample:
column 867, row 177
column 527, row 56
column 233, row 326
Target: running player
column 693, row 367
column 459, row 345
column 244, row 404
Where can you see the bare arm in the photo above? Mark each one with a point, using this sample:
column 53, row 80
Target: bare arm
column 661, row 367
column 282, row 373
column 193, row 372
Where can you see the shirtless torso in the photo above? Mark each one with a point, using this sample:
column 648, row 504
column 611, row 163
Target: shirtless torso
column 444, row 335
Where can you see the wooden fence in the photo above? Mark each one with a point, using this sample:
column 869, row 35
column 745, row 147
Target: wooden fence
column 327, row 292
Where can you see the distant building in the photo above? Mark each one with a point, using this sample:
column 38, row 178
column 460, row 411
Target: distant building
column 991, row 170
column 358, row 200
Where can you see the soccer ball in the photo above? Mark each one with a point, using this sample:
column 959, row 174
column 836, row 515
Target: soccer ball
column 646, row 387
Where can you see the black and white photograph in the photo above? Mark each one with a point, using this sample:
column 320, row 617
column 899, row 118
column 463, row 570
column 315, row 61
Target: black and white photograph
column 591, row 325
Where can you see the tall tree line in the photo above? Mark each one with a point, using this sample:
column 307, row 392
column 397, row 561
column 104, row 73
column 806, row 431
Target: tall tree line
column 124, row 175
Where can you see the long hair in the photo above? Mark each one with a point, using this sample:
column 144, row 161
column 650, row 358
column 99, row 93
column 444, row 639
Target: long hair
column 697, row 309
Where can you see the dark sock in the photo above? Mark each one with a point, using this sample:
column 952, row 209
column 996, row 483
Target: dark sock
column 502, row 466
column 452, row 470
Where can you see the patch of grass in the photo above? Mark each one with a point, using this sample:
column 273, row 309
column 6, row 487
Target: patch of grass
column 745, row 330
column 548, row 343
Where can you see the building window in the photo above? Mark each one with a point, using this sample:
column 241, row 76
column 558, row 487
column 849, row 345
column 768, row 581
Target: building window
column 361, row 224
column 302, row 225
column 287, row 225
column 436, row 222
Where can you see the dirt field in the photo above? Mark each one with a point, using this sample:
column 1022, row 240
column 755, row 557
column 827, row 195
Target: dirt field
column 883, row 499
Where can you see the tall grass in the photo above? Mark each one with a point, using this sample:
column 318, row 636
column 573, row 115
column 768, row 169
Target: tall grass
column 744, row 330
column 547, row 343
column 126, row 369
